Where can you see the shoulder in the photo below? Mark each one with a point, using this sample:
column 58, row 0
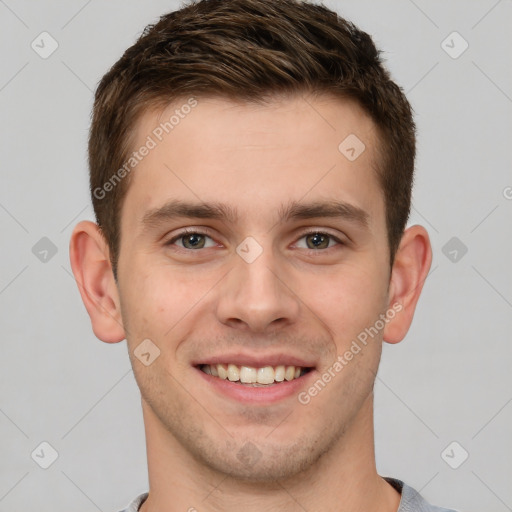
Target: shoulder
column 136, row 503
column 411, row 500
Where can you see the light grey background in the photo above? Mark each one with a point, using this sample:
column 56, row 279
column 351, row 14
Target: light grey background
column 449, row 380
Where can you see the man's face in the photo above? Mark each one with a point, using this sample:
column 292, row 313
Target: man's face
column 255, row 287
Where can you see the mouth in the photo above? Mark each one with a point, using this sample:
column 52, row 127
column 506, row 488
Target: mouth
column 262, row 384
column 251, row 376
column 259, row 380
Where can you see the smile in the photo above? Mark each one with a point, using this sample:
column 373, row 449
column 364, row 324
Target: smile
column 251, row 376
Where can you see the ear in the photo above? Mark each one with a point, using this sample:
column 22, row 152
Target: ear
column 410, row 269
column 90, row 262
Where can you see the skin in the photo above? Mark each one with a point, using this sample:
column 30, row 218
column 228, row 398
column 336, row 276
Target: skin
column 294, row 298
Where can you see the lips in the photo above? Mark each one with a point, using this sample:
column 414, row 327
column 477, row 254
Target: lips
column 256, row 361
column 263, row 376
column 256, row 379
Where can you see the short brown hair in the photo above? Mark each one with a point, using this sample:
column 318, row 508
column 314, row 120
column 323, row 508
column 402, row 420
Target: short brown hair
column 248, row 50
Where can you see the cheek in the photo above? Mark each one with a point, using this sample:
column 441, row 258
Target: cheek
column 348, row 299
column 159, row 303
column 146, row 303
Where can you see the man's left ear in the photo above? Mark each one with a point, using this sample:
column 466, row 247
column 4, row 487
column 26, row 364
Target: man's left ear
column 410, row 269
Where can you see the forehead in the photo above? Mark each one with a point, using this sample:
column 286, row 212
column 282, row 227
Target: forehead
column 255, row 157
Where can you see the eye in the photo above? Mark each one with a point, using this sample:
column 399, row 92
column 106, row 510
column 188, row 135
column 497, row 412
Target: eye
column 319, row 240
column 191, row 239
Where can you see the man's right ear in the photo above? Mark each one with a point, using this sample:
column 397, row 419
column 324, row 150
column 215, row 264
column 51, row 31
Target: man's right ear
column 90, row 262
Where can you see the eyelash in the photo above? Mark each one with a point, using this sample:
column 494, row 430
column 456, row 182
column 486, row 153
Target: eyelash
column 190, row 231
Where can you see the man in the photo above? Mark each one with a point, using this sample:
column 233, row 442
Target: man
column 251, row 166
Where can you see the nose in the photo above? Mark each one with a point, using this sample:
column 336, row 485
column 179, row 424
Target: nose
column 257, row 296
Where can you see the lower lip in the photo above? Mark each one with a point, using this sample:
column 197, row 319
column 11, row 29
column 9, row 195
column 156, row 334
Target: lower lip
column 259, row 394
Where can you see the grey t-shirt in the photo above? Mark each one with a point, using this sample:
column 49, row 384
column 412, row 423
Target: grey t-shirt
column 411, row 501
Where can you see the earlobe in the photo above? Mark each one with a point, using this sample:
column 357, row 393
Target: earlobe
column 89, row 257
column 410, row 269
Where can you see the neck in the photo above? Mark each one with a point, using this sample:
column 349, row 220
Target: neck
column 343, row 479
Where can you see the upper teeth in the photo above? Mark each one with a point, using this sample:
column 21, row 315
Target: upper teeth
column 250, row 375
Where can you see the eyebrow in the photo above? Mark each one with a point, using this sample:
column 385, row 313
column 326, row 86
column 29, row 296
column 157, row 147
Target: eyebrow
column 219, row 211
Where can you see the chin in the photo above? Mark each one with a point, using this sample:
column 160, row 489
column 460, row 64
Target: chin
column 261, row 462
